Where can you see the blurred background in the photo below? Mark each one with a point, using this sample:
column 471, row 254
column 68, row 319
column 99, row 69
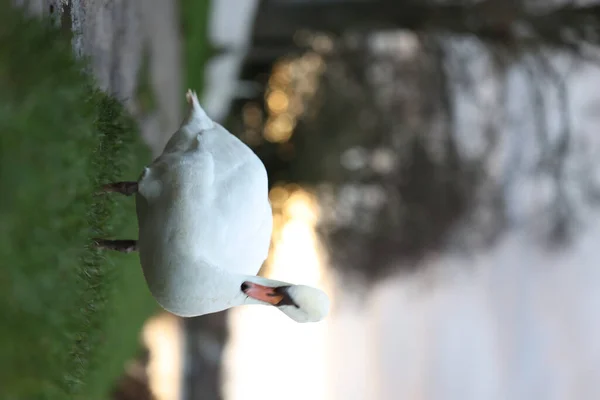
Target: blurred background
column 433, row 166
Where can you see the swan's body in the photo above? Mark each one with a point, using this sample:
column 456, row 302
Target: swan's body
column 202, row 207
column 205, row 226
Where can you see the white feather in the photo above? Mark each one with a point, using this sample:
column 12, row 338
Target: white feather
column 205, row 223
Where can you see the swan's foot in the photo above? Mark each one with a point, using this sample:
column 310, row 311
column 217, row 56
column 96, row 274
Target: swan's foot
column 124, row 246
column 126, row 188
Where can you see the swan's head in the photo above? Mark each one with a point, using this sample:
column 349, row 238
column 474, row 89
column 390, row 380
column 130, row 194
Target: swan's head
column 299, row 302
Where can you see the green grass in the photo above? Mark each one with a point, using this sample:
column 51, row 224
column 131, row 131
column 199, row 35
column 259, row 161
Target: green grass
column 70, row 315
column 144, row 92
column 196, row 47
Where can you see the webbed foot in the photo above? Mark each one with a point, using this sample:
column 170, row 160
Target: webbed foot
column 126, row 188
column 124, row 246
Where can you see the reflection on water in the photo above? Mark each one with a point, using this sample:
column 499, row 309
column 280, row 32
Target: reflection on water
column 163, row 336
column 268, row 354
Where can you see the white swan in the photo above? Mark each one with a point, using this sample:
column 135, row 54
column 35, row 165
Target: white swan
column 205, row 226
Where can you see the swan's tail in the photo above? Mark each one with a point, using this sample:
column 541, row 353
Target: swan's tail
column 197, row 120
column 194, row 123
column 299, row 302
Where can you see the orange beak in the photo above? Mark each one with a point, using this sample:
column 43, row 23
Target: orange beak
column 262, row 293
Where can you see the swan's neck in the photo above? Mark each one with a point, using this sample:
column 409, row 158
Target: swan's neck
column 222, row 290
column 300, row 303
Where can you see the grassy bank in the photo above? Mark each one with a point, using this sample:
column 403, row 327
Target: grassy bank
column 69, row 315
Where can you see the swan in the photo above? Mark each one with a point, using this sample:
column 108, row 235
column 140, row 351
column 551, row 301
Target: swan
column 205, row 224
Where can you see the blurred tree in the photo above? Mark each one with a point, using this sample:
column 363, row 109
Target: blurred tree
column 377, row 135
column 381, row 140
column 507, row 22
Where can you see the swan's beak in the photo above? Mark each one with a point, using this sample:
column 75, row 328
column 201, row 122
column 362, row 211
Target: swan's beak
column 276, row 296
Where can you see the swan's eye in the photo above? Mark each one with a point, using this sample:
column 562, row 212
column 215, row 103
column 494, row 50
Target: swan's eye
column 245, row 286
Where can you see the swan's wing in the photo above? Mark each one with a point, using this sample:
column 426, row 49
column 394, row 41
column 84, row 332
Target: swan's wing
column 242, row 200
column 175, row 176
